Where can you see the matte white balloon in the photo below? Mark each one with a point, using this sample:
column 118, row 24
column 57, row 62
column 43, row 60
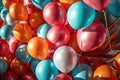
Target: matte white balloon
column 65, row 58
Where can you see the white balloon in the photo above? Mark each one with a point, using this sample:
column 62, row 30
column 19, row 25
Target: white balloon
column 65, row 58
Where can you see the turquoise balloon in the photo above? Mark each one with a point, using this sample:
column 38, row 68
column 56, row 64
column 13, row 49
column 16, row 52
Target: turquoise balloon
column 40, row 3
column 114, row 8
column 46, row 70
column 22, row 54
column 82, row 72
column 3, row 13
column 3, row 66
column 79, row 15
column 1, row 5
column 6, row 32
column 42, row 30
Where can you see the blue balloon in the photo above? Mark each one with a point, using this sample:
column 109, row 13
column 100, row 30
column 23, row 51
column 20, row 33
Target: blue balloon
column 6, row 32
column 114, row 8
column 40, row 3
column 3, row 66
column 22, row 54
column 42, row 30
column 82, row 72
column 34, row 63
column 46, row 70
column 3, row 13
column 80, row 15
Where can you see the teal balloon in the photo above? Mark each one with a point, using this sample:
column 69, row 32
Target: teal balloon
column 3, row 66
column 42, row 30
column 3, row 13
column 1, row 5
column 82, row 72
column 40, row 3
column 46, row 70
column 6, row 32
column 34, row 63
column 114, row 8
column 80, row 15
column 22, row 54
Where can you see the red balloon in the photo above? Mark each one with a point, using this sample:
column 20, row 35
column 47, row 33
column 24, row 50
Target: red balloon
column 58, row 36
column 97, row 4
column 92, row 37
column 63, row 77
column 4, row 48
column 29, row 76
column 55, row 14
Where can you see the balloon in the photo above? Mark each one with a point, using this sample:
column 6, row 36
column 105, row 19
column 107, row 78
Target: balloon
column 40, row 3
column 3, row 13
column 13, row 45
column 73, row 42
column 1, row 5
column 104, row 72
column 65, row 58
column 36, row 19
column 4, row 48
column 9, row 76
column 80, row 15
column 92, row 37
column 83, row 60
column 114, row 8
column 38, row 48
column 42, row 30
column 3, row 66
column 9, row 58
column 18, row 67
column 46, row 70
column 22, row 54
column 82, row 72
column 22, row 32
column 63, row 77
column 54, row 14
column 18, row 11
column 97, row 4
column 58, row 36
column 29, row 76
column 116, row 62
column 68, row 1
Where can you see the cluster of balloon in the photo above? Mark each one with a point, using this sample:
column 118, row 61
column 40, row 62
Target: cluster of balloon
column 59, row 40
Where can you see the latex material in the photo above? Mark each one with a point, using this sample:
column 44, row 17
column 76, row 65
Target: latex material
column 29, row 76
column 3, row 66
column 63, row 77
column 116, row 62
column 3, row 13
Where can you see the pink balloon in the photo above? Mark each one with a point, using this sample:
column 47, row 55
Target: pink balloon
column 97, row 4
column 55, row 14
column 58, row 36
column 63, row 77
column 92, row 37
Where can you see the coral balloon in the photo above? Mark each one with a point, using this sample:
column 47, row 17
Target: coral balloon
column 4, row 48
column 97, row 4
column 38, row 48
column 22, row 32
column 58, row 36
column 36, row 19
column 63, row 77
column 29, row 76
column 92, row 37
column 54, row 13
column 18, row 11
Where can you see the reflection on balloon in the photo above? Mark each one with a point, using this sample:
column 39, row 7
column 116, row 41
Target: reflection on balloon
column 65, row 58
column 46, row 70
column 3, row 66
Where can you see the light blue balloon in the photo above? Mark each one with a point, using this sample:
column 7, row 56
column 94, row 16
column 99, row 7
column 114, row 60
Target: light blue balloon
column 80, row 15
column 46, row 70
column 42, row 30
column 114, row 8
column 82, row 72
column 3, row 13
column 22, row 54
column 3, row 66
column 6, row 32
column 40, row 3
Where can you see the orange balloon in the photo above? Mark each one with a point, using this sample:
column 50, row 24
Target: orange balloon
column 18, row 11
column 38, row 48
column 116, row 62
column 36, row 19
column 68, row 1
column 18, row 67
column 22, row 32
column 104, row 72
